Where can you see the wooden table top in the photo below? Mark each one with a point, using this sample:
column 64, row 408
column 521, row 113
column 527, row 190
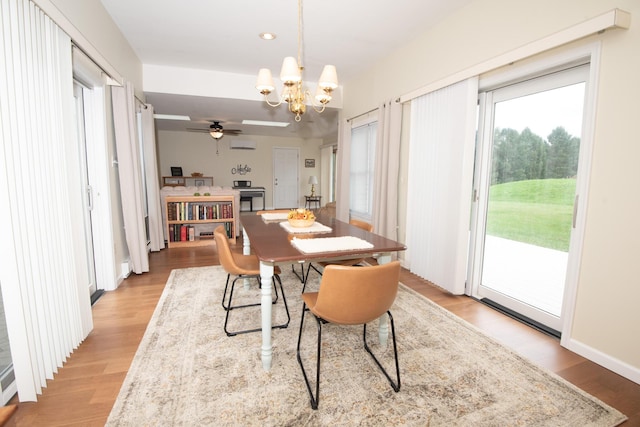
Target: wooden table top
column 271, row 243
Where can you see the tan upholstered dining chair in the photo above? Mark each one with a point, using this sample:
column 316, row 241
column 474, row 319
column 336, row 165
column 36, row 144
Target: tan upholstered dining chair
column 351, row 261
column 243, row 267
column 351, row 296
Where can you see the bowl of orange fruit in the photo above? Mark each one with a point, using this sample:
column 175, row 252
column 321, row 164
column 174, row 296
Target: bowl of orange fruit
column 301, row 218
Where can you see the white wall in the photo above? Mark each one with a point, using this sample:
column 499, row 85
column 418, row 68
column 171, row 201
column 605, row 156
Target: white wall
column 196, row 152
column 97, row 33
column 607, row 321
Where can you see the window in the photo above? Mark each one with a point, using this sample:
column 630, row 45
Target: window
column 363, row 148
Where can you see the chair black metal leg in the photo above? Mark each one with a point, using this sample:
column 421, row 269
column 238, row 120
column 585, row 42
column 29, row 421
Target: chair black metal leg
column 275, row 289
column 230, row 307
column 286, row 307
column 314, row 399
column 396, row 385
column 306, row 277
column 224, row 295
column 301, row 275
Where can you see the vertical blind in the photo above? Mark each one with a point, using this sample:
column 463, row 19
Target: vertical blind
column 43, row 265
column 363, row 149
column 441, row 153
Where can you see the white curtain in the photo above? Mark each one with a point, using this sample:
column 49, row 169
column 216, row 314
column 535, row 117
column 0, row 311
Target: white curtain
column 156, row 233
column 326, row 173
column 133, row 208
column 441, row 154
column 43, row 269
column 387, row 166
column 342, row 176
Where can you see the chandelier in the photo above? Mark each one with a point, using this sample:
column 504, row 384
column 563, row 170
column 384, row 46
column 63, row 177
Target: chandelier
column 293, row 92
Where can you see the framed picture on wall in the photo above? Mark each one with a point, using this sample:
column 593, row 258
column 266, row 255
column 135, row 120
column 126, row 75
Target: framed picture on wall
column 309, row 163
column 176, row 171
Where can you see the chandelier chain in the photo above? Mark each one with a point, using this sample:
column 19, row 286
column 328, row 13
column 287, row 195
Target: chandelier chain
column 300, row 35
column 294, row 93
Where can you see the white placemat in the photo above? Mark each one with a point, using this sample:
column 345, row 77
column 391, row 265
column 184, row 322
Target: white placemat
column 316, row 227
column 274, row 216
column 330, row 244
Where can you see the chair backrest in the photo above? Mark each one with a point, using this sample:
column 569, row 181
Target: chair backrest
column 356, row 295
column 224, row 251
column 362, row 224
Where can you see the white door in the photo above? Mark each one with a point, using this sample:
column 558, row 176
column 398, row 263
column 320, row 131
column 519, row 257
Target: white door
column 527, row 193
column 85, row 188
column 286, row 178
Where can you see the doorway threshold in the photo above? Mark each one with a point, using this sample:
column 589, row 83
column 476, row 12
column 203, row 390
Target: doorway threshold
column 523, row 319
column 96, row 296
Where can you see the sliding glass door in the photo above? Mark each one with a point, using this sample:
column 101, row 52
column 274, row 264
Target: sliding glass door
column 527, row 173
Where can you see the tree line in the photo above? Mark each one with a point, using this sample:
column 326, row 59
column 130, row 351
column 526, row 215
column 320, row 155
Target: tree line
column 526, row 156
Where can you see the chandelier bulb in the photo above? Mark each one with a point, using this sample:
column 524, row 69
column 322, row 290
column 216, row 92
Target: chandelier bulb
column 264, row 84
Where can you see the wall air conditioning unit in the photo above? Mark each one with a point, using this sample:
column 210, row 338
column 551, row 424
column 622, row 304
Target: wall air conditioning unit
column 240, row 144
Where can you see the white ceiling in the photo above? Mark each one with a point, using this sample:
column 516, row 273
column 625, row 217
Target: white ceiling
column 223, row 36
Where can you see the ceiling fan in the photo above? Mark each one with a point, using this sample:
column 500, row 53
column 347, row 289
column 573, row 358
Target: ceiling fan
column 216, row 130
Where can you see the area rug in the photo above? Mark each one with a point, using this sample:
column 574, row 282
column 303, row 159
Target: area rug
column 187, row 372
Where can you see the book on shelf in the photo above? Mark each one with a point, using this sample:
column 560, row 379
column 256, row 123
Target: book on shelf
column 192, row 211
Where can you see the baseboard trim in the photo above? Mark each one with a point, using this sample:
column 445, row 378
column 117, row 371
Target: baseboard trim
column 632, row 373
column 125, row 270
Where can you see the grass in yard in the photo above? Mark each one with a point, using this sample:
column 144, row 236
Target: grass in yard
column 538, row 212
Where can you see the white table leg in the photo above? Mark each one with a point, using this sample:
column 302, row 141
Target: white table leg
column 266, row 275
column 246, row 250
column 383, row 321
column 246, row 244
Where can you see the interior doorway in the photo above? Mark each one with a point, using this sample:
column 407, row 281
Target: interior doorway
column 527, row 170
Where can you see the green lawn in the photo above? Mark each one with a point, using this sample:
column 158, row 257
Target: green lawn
column 538, row 212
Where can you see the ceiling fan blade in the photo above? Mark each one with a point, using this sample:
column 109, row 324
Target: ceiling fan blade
column 230, row 132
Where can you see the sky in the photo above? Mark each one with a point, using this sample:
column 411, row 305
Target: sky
column 544, row 111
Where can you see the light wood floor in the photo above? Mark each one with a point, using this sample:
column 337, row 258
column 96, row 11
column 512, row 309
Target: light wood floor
column 85, row 389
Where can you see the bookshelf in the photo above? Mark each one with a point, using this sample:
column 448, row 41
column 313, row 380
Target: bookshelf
column 192, row 219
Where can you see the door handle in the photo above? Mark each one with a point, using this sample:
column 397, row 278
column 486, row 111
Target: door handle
column 575, row 210
column 89, row 198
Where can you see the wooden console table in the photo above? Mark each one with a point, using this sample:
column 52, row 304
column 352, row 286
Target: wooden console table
column 312, row 200
column 174, row 181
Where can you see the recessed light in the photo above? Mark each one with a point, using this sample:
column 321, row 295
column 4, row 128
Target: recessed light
column 267, row 36
column 171, row 117
column 265, row 123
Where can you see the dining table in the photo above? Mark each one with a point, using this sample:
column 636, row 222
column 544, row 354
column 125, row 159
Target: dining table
column 275, row 242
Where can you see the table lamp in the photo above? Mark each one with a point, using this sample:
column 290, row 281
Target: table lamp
column 313, row 180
